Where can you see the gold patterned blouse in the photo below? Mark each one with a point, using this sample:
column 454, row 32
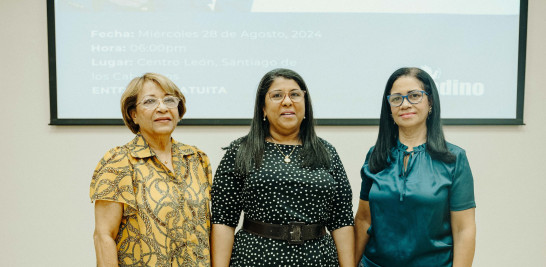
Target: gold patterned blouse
column 166, row 216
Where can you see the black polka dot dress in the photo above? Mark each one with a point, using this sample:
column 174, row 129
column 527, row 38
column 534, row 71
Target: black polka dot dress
column 278, row 193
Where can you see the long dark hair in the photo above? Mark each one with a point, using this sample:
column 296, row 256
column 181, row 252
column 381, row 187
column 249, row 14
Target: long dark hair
column 388, row 130
column 251, row 150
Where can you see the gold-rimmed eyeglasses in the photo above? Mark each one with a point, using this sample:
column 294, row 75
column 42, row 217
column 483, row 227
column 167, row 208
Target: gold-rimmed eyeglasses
column 295, row 95
column 152, row 102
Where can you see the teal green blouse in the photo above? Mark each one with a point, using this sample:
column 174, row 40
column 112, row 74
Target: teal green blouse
column 410, row 209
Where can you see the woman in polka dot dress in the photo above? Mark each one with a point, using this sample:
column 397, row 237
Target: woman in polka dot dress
column 290, row 185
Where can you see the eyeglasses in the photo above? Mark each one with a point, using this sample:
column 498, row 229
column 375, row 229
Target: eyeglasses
column 152, row 102
column 294, row 95
column 414, row 97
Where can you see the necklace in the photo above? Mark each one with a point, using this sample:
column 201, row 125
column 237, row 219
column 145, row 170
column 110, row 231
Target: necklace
column 286, row 157
column 163, row 161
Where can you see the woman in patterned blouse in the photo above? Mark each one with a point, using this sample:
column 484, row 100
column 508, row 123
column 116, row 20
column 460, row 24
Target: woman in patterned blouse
column 152, row 194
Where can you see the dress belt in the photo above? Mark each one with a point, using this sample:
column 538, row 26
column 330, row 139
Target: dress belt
column 294, row 232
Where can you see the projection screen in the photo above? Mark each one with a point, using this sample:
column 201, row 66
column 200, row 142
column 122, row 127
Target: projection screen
column 216, row 51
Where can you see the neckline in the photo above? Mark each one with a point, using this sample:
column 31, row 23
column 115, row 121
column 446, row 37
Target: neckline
column 279, row 144
column 404, row 148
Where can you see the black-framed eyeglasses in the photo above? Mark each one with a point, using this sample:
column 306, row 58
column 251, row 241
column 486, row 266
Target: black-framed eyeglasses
column 414, row 97
column 294, row 95
column 152, row 102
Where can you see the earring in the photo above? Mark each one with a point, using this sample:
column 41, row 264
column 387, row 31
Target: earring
column 264, row 118
column 304, row 117
column 430, row 110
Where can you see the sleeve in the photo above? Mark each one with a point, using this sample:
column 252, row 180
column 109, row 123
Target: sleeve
column 462, row 188
column 227, row 191
column 366, row 181
column 113, row 180
column 204, row 172
column 342, row 209
column 205, row 164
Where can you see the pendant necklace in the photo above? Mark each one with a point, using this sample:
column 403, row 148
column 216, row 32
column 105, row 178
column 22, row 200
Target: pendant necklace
column 286, row 157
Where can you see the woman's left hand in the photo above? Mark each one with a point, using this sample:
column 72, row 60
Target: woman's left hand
column 345, row 244
column 463, row 228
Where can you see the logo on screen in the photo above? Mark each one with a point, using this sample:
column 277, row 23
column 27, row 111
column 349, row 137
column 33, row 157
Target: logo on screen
column 454, row 87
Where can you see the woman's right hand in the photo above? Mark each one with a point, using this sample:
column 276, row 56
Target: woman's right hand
column 363, row 220
column 221, row 244
column 107, row 220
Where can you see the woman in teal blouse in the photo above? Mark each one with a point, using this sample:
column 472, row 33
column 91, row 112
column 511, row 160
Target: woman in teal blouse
column 417, row 196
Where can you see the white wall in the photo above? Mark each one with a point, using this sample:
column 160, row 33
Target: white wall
column 46, row 218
